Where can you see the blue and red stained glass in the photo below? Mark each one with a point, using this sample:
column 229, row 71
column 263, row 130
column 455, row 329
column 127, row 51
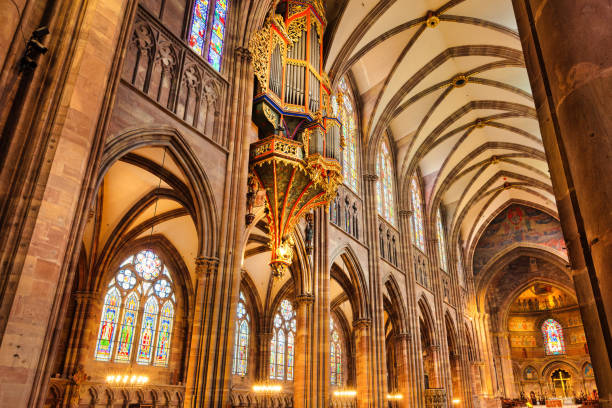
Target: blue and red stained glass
column 217, row 35
column 197, row 36
column 162, row 352
column 283, row 341
column 128, row 324
column 335, row 355
column 553, row 337
column 147, row 333
column 108, row 325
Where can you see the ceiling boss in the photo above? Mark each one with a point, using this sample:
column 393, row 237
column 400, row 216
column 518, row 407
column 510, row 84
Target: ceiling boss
column 297, row 160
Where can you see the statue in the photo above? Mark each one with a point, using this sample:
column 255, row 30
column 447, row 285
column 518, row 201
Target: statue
column 78, row 378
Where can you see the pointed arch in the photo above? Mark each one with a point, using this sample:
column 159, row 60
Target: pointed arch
column 199, row 188
column 356, row 284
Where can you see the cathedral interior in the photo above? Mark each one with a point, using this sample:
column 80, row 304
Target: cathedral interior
column 305, row 203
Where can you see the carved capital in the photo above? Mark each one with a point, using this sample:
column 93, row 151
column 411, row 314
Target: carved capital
column 370, row 177
column 85, row 296
column 403, row 337
column 206, row 266
column 305, row 298
column 434, row 348
column 243, row 53
column 406, row 213
column 362, row 323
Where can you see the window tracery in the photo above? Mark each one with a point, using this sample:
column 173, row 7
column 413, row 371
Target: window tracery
column 384, row 185
column 283, row 341
column 205, row 38
column 241, row 342
column 141, row 279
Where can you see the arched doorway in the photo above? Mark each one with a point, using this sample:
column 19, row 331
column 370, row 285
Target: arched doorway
column 561, row 383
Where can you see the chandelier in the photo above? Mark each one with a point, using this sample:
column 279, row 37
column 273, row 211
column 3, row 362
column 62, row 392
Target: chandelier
column 297, row 160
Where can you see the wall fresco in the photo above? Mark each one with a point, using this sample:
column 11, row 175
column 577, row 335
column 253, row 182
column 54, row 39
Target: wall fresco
column 517, row 224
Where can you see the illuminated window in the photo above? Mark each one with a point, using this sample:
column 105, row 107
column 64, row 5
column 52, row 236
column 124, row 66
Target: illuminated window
column 384, row 185
column 441, row 241
column 335, row 354
column 553, row 337
column 198, row 38
column 283, row 342
column 460, row 272
column 141, row 279
column 418, row 235
column 346, row 114
column 241, row 342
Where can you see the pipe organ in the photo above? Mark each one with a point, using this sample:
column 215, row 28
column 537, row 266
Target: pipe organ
column 298, row 158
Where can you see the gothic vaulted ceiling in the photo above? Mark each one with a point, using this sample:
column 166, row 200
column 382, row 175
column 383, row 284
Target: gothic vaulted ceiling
column 452, row 93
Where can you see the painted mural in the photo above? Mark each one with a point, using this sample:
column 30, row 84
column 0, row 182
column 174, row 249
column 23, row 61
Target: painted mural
column 521, row 324
column 515, row 224
column 588, row 370
column 530, row 374
column 523, row 341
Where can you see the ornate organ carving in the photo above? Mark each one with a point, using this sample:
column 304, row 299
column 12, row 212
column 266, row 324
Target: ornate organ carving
column 297, row 160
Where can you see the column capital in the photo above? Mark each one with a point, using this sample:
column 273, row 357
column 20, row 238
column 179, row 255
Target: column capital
column 434, row 348
column 403, row 337
column 206, row 265
column 305, row 298
column 243, row 53
column 405, row 213
column 86, row 295
column 362, row 323
column 370, row 177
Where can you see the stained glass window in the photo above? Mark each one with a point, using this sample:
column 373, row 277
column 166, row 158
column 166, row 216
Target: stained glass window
column 384, row 187
column 197, row 35
column 162, row 349
column 147, row 331
column 346, row 114
column 199, row 28
column 108, row 325
column 460, row 273
column 418, row 235
column 441, row 241
column 217, row 34
column 283, row 342
column 142, row 280
column 128, row 325
column 241, row 342
column 335, row 354
column 553, row 337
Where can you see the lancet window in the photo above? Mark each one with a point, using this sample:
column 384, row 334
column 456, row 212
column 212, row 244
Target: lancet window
column 335, row 354
column 384, row 185
column 283, row 342
column 241, row 342
column 553, row 337
column 129, row 333
column 418, row 234
column 207, row 30
column 345, row 110
column 441, row 241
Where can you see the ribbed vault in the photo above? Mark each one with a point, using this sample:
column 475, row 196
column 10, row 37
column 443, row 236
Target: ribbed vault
column 446, row 81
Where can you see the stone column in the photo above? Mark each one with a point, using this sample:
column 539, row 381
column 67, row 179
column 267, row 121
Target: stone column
column 361, row 331
column 567, row 53
column 204, row 269
column 88, row 303
column 50, row 145
column 416, row 380
column 378, row 358
column 402, row 355
column 302, row 380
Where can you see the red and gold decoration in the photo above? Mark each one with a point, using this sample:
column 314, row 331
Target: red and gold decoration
column 298, row 159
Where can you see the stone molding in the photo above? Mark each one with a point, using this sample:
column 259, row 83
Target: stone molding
column 205, row 266
column 362, row 323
